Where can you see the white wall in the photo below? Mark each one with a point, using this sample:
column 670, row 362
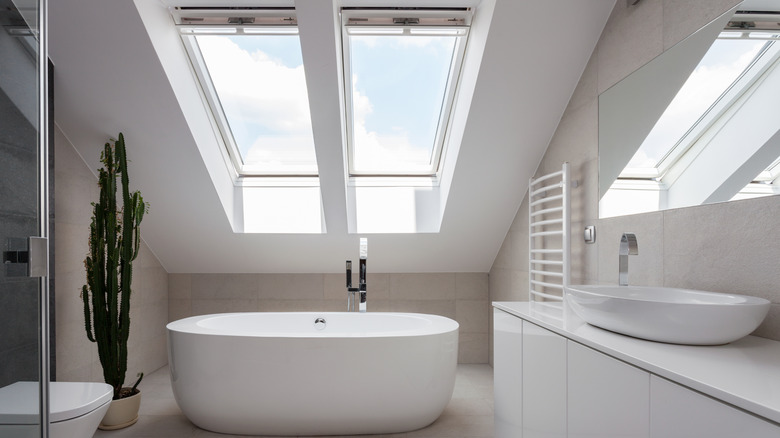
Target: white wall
column 721, row 247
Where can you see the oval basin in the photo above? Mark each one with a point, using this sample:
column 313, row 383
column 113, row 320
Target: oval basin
column 662, row 314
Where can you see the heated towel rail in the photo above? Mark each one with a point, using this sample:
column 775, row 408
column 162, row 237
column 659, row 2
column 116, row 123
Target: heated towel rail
column 549, row 236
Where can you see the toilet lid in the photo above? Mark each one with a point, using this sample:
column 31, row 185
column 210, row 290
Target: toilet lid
column 67, row 400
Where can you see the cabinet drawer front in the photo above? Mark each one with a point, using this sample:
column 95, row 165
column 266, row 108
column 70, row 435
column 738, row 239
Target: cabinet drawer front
column 678, row 412
column 507, row 374
column 607, row 398
column 544, row 383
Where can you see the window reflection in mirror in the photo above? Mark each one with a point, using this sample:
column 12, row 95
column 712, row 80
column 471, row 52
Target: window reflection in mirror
column 715, row 141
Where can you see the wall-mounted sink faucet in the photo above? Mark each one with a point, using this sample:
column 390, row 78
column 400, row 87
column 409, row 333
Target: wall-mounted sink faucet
column 628, row 246
column 361, row 289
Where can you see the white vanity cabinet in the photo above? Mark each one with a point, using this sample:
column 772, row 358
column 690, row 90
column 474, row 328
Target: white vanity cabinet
column 678, row 412
column 562, row 380
column 529, row 364
column 606, row 397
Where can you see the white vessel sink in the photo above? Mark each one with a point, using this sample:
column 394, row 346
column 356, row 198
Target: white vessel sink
column 676, row 316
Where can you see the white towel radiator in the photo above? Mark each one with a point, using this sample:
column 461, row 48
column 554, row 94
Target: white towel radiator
column 549, row 236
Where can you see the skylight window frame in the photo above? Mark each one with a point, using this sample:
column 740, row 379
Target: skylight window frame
column 666, row 168
column 191, row 23
column 454, row 22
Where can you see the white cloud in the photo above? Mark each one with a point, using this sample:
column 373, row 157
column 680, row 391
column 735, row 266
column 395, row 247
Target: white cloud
column 382, row 151
column 256, row 89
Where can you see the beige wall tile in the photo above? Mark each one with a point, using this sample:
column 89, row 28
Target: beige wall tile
column 74, row 351
column 291, row 286
column 151, row 318
column 499, row 283
column 433, row 307
column 422, row 286
column 335, row 286
column 473, row 347
column 771, row 325
column 646, row 268
column 520, row 221
column 153, row 285
column 587, row 89
column 579, row 125
column 472, row 315
column 502, row 260
column 632, row 37
column 301, row 306
column 178, row 309
column 737, row 253
column 471, row 286
column 508, row 285
column 684, row 17
column 179, row 286
column 71, row 246
column 154, row 355
column 585, row 196
column 68, row 305
column 584, row 256
column 379, row 305
column 209, row 306
column 224, row 287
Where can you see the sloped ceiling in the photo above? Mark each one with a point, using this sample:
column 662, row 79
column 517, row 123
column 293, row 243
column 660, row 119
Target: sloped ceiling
column 108, row 78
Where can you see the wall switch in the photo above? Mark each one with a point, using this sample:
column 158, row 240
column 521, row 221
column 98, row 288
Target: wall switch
column 590, row 234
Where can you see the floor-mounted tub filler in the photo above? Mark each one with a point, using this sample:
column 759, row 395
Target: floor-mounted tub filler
column 313, row 373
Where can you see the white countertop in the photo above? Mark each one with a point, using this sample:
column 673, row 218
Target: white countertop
column 745, row 373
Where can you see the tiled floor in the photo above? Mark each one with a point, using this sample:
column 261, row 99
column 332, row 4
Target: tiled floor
column 469, row 414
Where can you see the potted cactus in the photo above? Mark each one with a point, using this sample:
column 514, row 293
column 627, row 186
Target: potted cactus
column 113, row 245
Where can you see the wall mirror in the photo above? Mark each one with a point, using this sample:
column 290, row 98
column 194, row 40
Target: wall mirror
column 699, row 123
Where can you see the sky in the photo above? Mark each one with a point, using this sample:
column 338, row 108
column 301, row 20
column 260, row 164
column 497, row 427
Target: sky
column 718, row 69
column 262, row 88
column 398, row 86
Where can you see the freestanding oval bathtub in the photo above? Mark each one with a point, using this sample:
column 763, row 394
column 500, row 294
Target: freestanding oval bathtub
column 292, row 374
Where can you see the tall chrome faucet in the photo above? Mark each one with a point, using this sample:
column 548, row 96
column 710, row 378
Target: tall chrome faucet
column 350, row 290
column 362, row 281
column 352, row 300
column 628, row 246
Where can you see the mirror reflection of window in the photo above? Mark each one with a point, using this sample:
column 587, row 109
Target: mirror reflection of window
column 715, row 80
column 711, row 144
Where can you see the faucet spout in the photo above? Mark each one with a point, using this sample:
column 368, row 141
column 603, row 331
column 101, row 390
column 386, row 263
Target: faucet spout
column 628, row 246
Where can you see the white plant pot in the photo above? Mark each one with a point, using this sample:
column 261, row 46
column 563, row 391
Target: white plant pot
column 122, row 413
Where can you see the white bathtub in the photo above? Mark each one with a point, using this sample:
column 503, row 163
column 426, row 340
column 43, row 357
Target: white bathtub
column 280, row 374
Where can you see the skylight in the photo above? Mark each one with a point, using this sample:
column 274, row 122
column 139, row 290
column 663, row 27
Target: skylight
column 251, row 70
column 401, row 73
column 727, row 70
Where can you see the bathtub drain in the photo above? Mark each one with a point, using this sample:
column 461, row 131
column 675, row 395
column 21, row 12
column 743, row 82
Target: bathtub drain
column 319, row 323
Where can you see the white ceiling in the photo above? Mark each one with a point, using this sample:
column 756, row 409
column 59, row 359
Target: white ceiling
column 108, row 78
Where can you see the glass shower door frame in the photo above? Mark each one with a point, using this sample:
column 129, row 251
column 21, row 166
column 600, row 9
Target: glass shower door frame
column 44, row 137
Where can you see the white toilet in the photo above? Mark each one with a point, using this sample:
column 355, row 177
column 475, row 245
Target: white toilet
column 75, row 409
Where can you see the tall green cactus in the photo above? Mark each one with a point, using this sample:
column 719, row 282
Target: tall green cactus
column 113, row 245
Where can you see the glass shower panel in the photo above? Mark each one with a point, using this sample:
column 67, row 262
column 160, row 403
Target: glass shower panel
column 20, row 324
